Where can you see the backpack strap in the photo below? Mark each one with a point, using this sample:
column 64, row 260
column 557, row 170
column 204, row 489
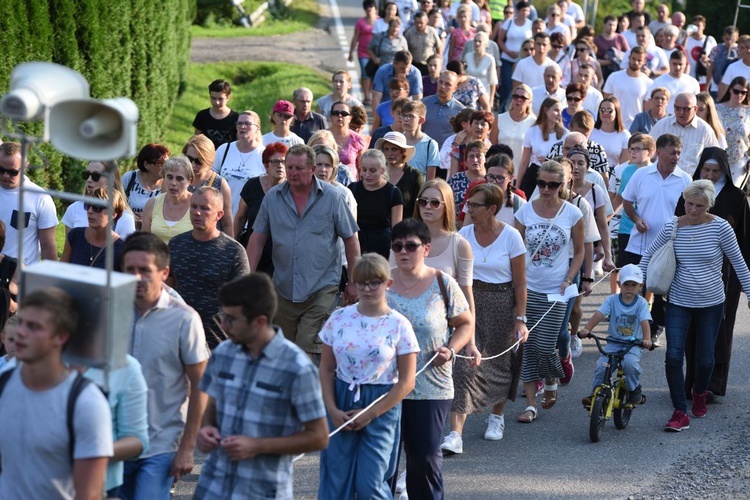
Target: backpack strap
column 79, row 384
column 444, row 293
column 131, row 185
column 226, row 152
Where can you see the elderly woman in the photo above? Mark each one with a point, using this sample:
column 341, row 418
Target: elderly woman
column 95, row 176
column 645, row 120
column 460, row 181
column 369, row 351
column 433, row 303
column 482, row 66
column 500, row 300
column 86, row 246
column 480, row 124
column 384, row 46
column 350, row 144
column 144, row 182
column 470, row 91
column 510, row 127
column 200, row 151
column 734, row 113
column 696, row 295
column 380, row 204
column 539, row 139
column 551, row 228
column 252, row 195
column 731, row 205
column 405, row 177
column 342, row 85
column 168, row 214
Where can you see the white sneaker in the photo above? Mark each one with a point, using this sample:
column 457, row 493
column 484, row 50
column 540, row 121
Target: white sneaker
column 403, row 496
column 401, row 483
column 453, row 443
column 495, row 427
column 576, row 346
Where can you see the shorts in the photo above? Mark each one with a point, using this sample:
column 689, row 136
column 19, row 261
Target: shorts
column 362, row 63
column 302, row 321
column 622, row 244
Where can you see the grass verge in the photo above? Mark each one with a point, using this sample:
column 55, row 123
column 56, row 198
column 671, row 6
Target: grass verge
column 300, row 15
column 255, row 85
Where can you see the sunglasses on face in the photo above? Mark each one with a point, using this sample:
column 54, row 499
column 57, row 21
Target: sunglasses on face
column 11, row 172
column 520, row 97
column 574, row 99
column 95, row 176
column 739, row 91
column 551, row 185
column 193, row 159
column 96, row 208
column 410, row 246
column 581, row 49
column 433, row 203
column 340, row 113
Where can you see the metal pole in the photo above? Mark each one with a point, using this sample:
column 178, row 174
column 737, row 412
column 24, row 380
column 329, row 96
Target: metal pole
column 21, row 216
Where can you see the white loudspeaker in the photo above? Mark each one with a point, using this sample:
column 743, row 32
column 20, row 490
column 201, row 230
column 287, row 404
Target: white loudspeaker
column 93, row 130
column 35, row 87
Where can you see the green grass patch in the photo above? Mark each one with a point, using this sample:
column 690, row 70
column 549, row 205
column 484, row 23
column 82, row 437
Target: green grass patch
column 255, row 85
column 299, row 16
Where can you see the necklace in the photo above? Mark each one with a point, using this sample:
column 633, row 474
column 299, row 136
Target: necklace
column 408, row 289
column 486, row 250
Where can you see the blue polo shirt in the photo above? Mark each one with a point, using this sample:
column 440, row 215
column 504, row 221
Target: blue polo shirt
column 386, row 73
column 437, row 120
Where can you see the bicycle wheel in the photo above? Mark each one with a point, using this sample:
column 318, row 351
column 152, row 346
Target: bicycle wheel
column 598, row 412
column 624, row 410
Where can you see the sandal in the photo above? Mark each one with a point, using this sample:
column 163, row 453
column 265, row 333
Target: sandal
column 550, row 396
column 528, row 415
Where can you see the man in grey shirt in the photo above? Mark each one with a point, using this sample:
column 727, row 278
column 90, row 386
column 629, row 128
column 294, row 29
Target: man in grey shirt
column 305, row 218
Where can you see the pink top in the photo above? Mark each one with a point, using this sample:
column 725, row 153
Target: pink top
column 365, row 35
column 349, row 153
column 459, row 40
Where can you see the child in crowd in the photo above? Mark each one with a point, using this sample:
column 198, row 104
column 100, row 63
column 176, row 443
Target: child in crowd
column 628, row 320
column 8, row 338
column 218, row 123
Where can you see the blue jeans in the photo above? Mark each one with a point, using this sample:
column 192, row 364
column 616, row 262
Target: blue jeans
column 148, row 478
column 631, row 366
column 678, row 320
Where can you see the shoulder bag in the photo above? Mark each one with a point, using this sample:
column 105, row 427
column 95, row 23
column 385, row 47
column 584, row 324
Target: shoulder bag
column 662, row 266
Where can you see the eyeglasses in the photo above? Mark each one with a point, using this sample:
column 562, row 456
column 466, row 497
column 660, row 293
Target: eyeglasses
column 97, row 209
column 636, row 149
column 434, row 203
column 551, row 185
column 498, row 179
column 193, row 159
column 368, row 285
column 246, row 124
column 474, row 206
column 520, row 97
column 739, row 91
column 95, row 176
column 12, row 172
column 410, row 246
column 276, row 163
column 220, row 318
column 409, row 118
column 340, row 113
column 555, row 46
column 574, row 99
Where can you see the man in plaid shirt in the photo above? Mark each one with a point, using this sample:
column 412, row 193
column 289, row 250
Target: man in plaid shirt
column 265, row 403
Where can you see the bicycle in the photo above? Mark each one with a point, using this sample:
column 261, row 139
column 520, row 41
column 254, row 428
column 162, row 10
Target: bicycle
column 611, row 397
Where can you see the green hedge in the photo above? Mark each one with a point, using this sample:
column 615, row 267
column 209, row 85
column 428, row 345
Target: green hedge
column 124, row 48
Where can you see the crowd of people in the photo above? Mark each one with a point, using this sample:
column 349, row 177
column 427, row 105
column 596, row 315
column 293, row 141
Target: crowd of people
column 384, row 282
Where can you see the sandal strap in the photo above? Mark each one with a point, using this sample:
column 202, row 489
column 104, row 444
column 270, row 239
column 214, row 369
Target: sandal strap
column 550, row 387
column 532, row 409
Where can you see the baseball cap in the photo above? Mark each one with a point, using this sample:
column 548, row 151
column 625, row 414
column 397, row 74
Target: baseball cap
column 283, row 107
column 631, row 272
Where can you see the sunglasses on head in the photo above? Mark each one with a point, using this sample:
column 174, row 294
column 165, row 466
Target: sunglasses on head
column 96, row 208
column 340, row 113
column 95, row 176
column 544, row 184
column 433, row 203
column 11, row 172
column 410, row 246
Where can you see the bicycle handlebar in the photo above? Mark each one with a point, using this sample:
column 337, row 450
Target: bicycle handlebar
column 629, row 343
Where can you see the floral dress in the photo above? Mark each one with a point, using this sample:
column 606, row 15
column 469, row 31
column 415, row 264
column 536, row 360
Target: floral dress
column 736, row 123
column 468, row 95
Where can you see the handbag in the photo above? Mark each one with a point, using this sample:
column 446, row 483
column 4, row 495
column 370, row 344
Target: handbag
column 662, row 266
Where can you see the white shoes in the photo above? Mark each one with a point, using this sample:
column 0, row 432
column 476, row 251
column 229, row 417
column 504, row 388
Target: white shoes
column 576, row 346
column 401, row 483
column 495, row 427
column 453, row 443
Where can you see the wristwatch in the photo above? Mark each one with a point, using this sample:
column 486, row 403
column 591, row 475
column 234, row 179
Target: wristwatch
column 522, row 319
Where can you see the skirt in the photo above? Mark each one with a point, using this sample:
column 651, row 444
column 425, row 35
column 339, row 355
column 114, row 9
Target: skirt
column 540, row 358
column 493, row 382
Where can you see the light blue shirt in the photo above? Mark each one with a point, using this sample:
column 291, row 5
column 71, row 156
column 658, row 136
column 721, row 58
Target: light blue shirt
column 386, row 73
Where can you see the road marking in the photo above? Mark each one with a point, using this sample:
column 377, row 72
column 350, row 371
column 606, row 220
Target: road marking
column 340, row 34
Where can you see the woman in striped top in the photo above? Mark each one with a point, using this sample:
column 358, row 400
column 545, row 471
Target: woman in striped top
column 697, row 293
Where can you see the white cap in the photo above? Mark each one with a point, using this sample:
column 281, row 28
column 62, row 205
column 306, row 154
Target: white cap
column 631, row 272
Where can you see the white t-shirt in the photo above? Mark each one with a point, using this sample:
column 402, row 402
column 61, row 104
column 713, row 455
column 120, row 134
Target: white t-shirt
column 529, row 72
column 694, row 48
column 34, row 442
column 630, row 91
column 40, row 214
column 238, row 168
column 737, row 68
column 685, row 83
column 613, row 144
column 515, row 36
column 138, row 196
column 539, row 147
column 575, row 11
column 290, row 141
column 656, row 59
column 550, row 265
column 540, row 94
column 511, row 133
column 492, row 263
column 593, row 99
column 76, row 216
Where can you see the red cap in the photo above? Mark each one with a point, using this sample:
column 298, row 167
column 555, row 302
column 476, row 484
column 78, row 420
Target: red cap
column 283, row 107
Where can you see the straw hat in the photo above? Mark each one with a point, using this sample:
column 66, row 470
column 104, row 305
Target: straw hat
column 397, row 139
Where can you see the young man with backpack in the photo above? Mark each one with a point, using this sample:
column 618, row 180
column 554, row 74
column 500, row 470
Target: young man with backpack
column 57, row 426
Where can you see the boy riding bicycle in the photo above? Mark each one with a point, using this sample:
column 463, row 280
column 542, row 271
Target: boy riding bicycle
column 628, row 321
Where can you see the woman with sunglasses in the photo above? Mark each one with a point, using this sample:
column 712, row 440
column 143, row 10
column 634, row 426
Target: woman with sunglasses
column 252, row 195
column 734, row 113
column 282, row 119
column 500, row 300
column 200, row 151
column 557, row 54
column 369, row 350
column 610, row 133
column 553, row 229
column 547, row 130
column 585, row 54
column 350, row 144
column 95, row 176
column 475, row 171
column 644, row 121
column 510, row 127
column 433, row 303
column 168, row 214
column 144, row 182
column 85, row 246
column 575, row 95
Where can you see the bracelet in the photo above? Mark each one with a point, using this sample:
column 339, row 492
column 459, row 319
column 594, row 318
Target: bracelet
column 587, row 280
column 568, row 280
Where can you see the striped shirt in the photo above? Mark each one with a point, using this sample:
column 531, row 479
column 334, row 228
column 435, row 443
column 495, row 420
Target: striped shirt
column 700, row 254
column 695, row 136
